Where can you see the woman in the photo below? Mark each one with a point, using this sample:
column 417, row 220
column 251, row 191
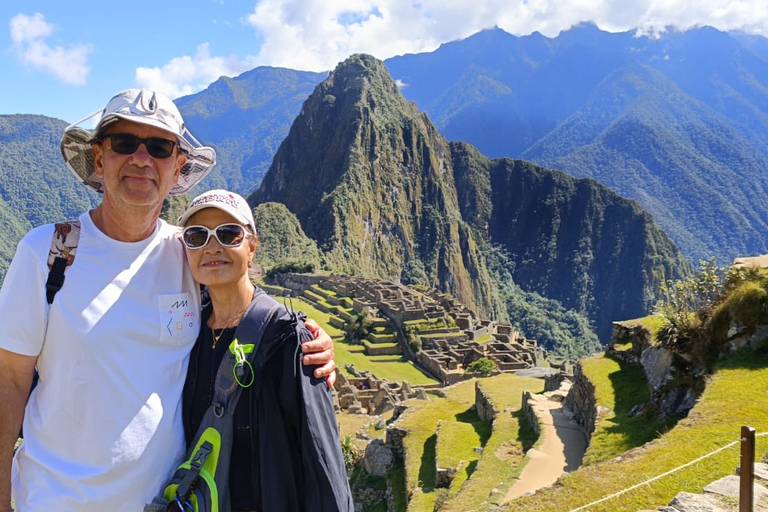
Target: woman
column 286, row 453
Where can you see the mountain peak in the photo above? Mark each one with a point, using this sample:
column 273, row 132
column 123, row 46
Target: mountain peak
column 371, row 180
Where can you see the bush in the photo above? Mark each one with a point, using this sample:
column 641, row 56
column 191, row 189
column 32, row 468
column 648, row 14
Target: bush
column 349, row 452
column 414, row 274
column 412, row 335
column 687, row 303
column 483, row 366
column 747, row 304
column 697, row 312
column 296, row 266
column 360, row 326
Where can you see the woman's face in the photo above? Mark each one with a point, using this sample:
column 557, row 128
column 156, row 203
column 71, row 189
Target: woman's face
column 214, row 264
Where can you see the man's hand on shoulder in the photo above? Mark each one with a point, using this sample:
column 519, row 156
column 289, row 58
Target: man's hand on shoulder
column 319, row 352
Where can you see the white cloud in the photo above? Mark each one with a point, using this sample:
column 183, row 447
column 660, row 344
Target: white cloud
column 312, row 35
column 187, row 75
column 29, row 34
column 307, row 34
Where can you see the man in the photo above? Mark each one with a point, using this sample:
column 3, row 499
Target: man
column 103, row 427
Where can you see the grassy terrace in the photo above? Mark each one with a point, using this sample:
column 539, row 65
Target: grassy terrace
column 441, row 335
column 504, row 443
column 483, row 339
column 619, row 386
column 734, row 397
column 392, row 367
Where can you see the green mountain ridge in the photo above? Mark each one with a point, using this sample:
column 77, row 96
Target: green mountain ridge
column 36, row 186
column 379, row 193
column 245, row 119
column 699, row 96
column 640, row 135
column 372, row 181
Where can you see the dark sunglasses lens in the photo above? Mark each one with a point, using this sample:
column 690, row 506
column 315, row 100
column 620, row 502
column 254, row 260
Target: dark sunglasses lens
column 160, row 148
column 195, row 237
column 127, row 144
column 124, row 143
column 230, row 234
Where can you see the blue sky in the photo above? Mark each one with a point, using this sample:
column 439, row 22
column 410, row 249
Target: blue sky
column 65, row 60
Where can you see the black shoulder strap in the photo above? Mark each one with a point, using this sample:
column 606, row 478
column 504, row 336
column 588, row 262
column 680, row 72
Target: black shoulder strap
column 66, row 236
column 234, row 373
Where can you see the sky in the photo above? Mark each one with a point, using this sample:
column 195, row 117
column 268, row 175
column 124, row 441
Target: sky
column 66, row 60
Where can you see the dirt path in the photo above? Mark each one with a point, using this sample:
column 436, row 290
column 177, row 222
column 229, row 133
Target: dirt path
column 562, row 448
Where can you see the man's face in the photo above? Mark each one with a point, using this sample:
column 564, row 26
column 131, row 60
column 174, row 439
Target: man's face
column 136, row 179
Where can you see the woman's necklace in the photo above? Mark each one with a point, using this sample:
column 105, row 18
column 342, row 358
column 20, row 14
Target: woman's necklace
column 217, row 337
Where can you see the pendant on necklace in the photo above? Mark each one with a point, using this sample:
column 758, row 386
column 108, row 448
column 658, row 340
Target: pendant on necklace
column 215, row 337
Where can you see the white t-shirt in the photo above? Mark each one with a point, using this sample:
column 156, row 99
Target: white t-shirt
column 103, row 428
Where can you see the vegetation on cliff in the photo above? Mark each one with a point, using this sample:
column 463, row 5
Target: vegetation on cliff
column 282, row 242
column 370, row 180
column 36, row 187
column 385, row 195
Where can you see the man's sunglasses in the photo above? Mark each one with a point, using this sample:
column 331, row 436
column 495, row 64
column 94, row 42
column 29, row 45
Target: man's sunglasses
column 127, row 144
column 228, row 235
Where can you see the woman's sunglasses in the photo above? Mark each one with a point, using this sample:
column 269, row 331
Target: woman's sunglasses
column 228, row 235
column 127, row 144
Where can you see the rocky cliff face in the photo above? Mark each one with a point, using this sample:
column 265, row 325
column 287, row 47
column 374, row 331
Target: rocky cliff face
column 380, row 190
column 371, row 180
column 570, row 239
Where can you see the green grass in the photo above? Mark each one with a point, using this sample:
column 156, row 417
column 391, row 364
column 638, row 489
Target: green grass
column 456, row 443
column 619, row 386
column 423, row 325
column 734, row 397
column 322, row 318
column 503, row 453
column 324, row 291
column 441, row 335
column 396, row 479
column 393, row 367
column 380, row 337
column 651, row 322
column 503, row 444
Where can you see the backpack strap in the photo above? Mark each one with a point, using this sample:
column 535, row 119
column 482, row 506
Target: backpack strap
column 235, row 371
column 66, row 236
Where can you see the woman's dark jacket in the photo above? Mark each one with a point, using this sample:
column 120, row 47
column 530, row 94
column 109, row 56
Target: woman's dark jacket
column 286, row 439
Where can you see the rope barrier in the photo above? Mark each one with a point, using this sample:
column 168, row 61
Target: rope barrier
column 623, row 491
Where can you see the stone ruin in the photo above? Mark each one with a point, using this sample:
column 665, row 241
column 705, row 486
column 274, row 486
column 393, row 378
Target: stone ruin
column 364, row 393
column 451, row 335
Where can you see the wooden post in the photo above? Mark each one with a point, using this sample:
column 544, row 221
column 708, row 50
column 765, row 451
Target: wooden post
column 747, row 469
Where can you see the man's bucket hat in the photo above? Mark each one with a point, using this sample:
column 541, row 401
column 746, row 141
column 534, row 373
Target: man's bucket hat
column 224, row 200
column 143, row 107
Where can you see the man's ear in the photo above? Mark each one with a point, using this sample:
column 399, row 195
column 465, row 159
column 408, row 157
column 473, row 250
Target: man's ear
column 98, row 159
column 181, row 160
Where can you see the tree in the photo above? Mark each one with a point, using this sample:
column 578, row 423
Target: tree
column 483, row 366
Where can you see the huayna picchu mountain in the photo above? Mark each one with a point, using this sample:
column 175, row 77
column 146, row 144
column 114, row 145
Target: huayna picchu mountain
column 372, row 181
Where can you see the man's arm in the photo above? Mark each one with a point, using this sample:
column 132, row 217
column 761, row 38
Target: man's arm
column 16, row 373
column 319, row 352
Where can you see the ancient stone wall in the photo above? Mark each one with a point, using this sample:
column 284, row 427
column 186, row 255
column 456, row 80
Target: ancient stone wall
column 530, row 413
column 581, row 401
column 483, row 404
column 625, row 333
column 394, row 440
